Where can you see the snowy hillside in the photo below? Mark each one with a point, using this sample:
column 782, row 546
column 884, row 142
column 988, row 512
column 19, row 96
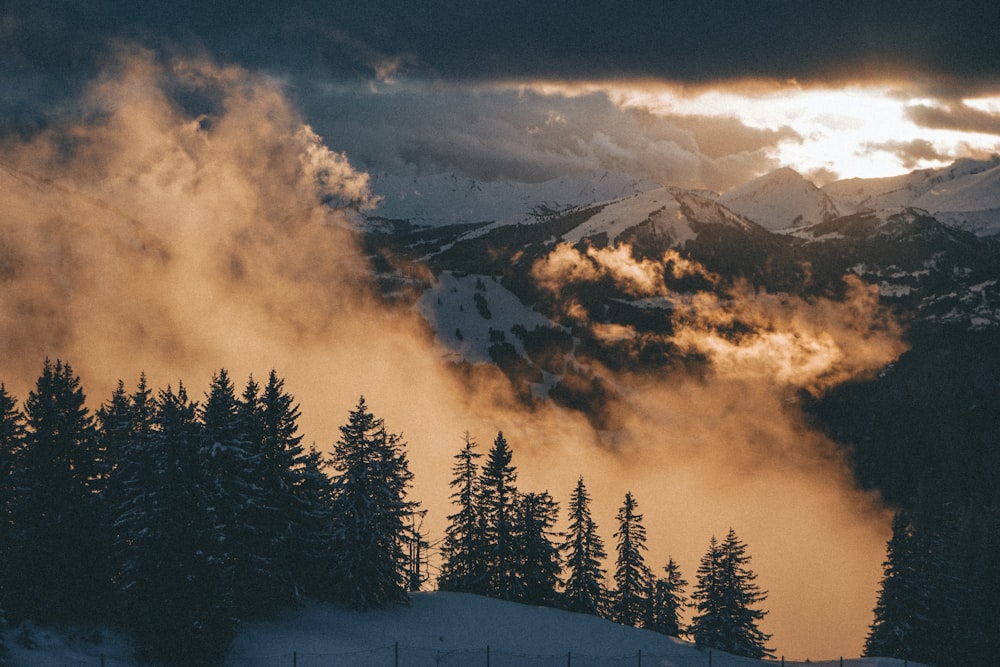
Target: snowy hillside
column 781, row 200
column 451, row 308
column 441, row 199
column 965, row 194
column 438, row 629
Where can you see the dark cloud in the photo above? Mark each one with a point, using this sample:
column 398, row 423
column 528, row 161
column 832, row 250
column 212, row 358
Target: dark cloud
column 910, row 153
column 490, row 133
column 683, row 40
column 955, row 116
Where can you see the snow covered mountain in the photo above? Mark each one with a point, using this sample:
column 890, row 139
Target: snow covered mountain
column 441, row 199
column 965, row 194
column 778, row 233
column 781, row 200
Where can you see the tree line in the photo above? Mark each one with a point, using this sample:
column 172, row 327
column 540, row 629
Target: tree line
column 501, row 543
column 174, row 519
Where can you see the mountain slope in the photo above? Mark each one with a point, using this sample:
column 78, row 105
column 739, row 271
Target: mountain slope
column 965, row 194
column 782, row 199
column 443, row 199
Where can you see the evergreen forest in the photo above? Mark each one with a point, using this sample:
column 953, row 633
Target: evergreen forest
column 174, row 519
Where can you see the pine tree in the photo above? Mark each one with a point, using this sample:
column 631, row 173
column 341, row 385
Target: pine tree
column 176, row 599
column 632, row 576
column 498, row 496
column 295, row 509
column 667, row 602
column 584, row 589
column 125, row 425
column 464, row 552
column 232, row 468
column 371, row 512
column 539, row 564
column 11, row 440
column 923, row 600
column 724, row 598
column 57, row 518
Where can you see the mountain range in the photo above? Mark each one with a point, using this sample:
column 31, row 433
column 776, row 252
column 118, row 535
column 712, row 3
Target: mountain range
column 926, row 245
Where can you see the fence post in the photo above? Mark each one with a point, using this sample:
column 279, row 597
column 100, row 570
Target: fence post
column 640, row 657
column 102, row 660
column 709, row 658
column 395, row 654
column 487, row 655
column 569, row 658
column 295, row 659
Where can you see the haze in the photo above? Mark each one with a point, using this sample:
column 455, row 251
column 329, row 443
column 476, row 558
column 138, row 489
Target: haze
column 150, row 238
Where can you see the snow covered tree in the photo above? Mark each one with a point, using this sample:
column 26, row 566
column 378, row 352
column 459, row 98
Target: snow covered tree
column 539, row 565
column 724, row 598
column 667, row 602
column 921, row 603
column 632, row 576
column 175, row 595
column 371, row 512
column 584, row 590
column 463, row 552
column 57, row 517
column 294, row 511
column 498, row 497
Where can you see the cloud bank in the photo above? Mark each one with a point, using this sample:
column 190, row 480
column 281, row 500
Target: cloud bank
column 188, row 219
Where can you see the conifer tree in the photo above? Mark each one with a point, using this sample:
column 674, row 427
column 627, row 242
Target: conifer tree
column 584, row 590
column 724, row 598
column 539, row 563
column 232, row 469
column 11, row 439
column 176, row 599
column 464, row 552
column 922, row 601
column 632, row 576
column 668, row 601
column 57, row 517
column 371, row 511
column 498, row 497
column 295, row 498
column 125, row 429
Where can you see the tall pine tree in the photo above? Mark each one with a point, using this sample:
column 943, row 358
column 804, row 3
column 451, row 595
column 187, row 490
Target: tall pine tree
column 498, row 498
column 371, row 511
column 539, row 564
column 57, row 520
column 295, row 513
column 725, row 599
column 584, row 589
column 922, row 602
column 11, row 439
column 632, row 576
column 464, row 553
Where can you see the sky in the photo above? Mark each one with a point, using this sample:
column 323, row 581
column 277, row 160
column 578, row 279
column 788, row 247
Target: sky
column 699, row 94
column 168, row 170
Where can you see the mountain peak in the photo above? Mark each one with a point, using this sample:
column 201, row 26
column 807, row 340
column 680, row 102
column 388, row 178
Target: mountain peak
column 781, row 199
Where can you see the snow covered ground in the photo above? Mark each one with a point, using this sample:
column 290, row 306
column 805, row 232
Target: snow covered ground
column 438, row 629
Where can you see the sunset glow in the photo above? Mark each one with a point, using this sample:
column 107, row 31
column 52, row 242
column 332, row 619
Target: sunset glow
column 851, row 131
column 181, row 192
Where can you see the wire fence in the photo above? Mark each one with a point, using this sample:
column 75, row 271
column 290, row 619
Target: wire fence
column 398, row 655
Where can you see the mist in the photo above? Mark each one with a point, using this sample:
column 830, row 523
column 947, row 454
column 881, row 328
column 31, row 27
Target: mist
column 189, row 219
